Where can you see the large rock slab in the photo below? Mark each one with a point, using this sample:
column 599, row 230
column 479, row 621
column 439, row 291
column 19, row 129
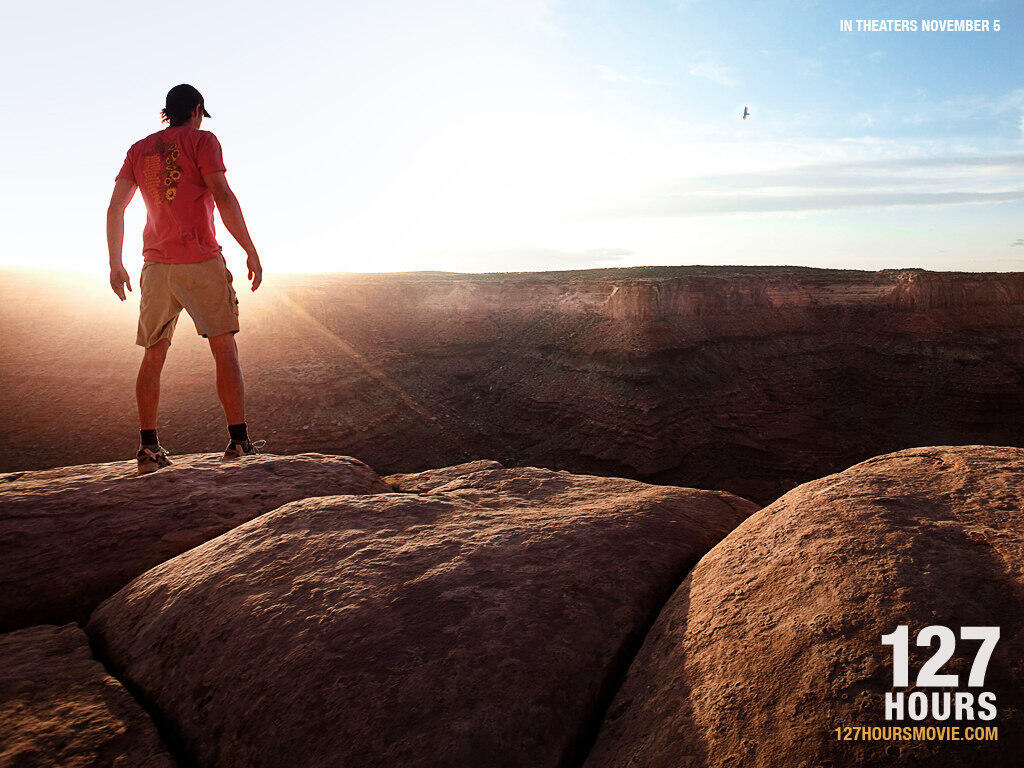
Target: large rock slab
column 73, row 536
column 485, row 625
column 60, row 708
column 774, row 640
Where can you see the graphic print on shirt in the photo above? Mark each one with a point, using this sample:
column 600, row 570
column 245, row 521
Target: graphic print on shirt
column 161, row 172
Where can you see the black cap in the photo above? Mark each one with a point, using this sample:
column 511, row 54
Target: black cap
column 184, row 98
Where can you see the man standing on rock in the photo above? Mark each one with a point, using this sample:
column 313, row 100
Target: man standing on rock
column 180, row 171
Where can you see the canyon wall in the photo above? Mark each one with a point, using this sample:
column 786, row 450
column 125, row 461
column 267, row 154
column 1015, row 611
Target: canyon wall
column 751, row 380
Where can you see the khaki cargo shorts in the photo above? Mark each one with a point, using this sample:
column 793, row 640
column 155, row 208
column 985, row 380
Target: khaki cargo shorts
column 203, row 290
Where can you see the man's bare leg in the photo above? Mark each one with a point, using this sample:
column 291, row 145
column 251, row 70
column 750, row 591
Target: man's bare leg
column 230, row 387
column 147, row 385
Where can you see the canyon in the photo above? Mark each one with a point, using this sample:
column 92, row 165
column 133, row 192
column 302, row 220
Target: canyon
column 746, row 379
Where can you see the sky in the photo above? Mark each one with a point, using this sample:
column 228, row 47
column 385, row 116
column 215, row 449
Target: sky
column 505, row 135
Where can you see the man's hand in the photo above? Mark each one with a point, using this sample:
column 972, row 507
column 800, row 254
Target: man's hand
column 124, row 190
column 255, row 270
column 119, row 278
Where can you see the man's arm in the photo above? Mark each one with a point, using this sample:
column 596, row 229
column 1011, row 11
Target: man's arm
column 124, row 191
column 231, row 213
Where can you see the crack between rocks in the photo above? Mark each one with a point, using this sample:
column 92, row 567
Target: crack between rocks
column 163, row 729
column 577, row 752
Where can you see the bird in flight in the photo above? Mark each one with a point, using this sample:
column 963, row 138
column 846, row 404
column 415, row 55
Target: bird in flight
column 746, row 113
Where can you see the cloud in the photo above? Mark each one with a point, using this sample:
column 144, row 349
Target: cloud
column 958, row 180
column 530, row 258
column 694, row 205
column 1012, row 100
column 926, row 110
column 714, row 71
column 614, row 76
column 608, row 253
column 899, row 172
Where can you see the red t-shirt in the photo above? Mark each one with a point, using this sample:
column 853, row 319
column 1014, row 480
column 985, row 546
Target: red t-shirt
column 168, row 167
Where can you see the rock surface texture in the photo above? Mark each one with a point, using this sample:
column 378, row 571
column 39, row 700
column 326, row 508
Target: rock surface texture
column 428, row 480
column 60, row 709
column 485, row 623
column 774, row 640
column 71, row 537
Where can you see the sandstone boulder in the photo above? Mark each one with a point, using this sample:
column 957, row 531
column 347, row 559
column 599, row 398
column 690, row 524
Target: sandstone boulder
column 428, row 480
column 60, row 709
column 70, row 537
column 775, row 639
column 472, row 627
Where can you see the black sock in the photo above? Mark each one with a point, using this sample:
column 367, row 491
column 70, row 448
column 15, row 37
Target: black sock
column 239, row 433
column 149, row 437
